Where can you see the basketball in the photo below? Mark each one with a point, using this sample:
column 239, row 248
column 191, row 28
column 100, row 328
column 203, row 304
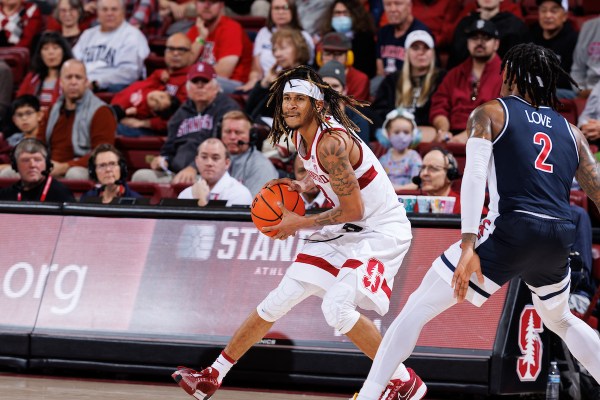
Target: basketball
column 264, row 209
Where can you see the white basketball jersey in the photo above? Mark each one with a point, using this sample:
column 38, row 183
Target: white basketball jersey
column 379, row 198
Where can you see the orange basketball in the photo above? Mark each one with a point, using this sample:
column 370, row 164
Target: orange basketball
column 264, row 209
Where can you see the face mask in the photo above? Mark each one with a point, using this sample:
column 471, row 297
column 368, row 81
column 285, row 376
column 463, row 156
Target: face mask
column 401, row 141
column 341, row 24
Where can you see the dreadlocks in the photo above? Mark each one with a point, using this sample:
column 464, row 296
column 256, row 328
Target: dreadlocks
column 332, row 99
column 535, row 70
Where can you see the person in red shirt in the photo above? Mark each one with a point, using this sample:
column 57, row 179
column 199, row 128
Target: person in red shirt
column 467, row 86
column 221, row 42
column 42, row 81
column 150, row 118
column 20, row 23
column 337, row 46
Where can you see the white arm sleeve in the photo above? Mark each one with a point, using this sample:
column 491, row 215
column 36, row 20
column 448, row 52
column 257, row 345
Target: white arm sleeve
column 472, row 191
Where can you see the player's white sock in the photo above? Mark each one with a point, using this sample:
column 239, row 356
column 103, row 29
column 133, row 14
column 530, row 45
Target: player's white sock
column 223, row 364
column 401, row 373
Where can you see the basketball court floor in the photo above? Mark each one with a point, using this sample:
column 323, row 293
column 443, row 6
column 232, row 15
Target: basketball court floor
column 27, row 387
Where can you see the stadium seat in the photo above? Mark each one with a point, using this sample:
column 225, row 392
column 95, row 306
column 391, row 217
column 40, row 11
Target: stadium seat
column 590, row 7
column 251, row 24
column 154, row 62
column 77, row 186
column 139, row 152
column 17, row 59
column 6, row 182
column 569, row 111
column 154, row 191
column 178, row 188
column 377, row 148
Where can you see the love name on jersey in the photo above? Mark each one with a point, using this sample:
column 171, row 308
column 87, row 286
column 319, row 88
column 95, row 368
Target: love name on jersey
column 539, row 119
column 318, row 178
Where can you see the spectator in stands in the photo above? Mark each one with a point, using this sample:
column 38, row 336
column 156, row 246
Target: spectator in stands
column 42, row 80
column 248, row 165
column 589, row 120
column 6, row 91
column 440, row 16
column 149, row 118
column 180, row 12
column 555, row 32
column 438, row 171
column 511, row 30
column 114, row 51
column 27, row 117
column 69, row 19
column 586, row 57
column 401, row 163
column 311, row 14
column 108, row 169
column 215, row 183
column 283, row 14
column 290, row 50
column 221, row 42
column 334, row 74
column 140, row 110
column 412, row 87
column 391, row 37
column 20, row 23
column 469, row 85
column 195, row 121
column 350, row 18
column 337, row 46
column 78, row 122
column 32, row 161
column 313, row 198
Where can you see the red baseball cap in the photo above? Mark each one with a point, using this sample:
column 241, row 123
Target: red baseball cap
column 201, row 70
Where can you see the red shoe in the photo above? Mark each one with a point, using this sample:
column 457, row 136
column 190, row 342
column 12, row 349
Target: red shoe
column 202, row 385
column 414, row 388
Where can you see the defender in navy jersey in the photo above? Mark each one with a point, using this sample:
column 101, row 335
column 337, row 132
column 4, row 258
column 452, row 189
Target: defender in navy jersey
column 529, row 154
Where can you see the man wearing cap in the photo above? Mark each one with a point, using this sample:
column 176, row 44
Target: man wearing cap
column 337, row 46
column 511, row 30
column 468, row 85
column 334, row 73
column 555, row 32
column 359, row 244
column 196, row 120
column 221, row 42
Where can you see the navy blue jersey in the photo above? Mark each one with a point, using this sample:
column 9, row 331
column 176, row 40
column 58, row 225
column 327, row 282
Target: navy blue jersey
column 534, row 161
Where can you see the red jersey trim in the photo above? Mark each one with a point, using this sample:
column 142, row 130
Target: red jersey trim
column 317, row 262
column 367, row 177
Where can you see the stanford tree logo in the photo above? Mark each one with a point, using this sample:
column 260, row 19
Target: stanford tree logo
column 529, row 364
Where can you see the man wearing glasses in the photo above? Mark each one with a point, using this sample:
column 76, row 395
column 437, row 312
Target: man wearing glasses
column 178, row 58
column 468, row 85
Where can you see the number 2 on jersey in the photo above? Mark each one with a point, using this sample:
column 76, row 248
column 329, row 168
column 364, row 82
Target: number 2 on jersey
column 540, row 138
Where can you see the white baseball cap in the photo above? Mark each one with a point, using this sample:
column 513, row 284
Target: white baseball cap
column 419, row 36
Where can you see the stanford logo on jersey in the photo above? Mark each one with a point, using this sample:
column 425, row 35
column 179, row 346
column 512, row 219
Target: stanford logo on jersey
column 374, row 277
column 529, row 364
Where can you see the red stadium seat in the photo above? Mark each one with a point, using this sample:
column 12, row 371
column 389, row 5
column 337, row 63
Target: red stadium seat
column 178, row 188
column 579, row 198
column 17, row 59
column 569, row 111
column 139, row 152
column 154, row 191
column 6, row 182
column 377, row 148
column 77, row 186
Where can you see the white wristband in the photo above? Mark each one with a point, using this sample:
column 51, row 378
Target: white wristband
column 472, row 191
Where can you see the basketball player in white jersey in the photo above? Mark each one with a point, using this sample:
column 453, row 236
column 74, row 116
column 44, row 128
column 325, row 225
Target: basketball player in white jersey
column 351, row 261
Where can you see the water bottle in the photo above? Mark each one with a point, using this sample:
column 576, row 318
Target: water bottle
column 553, row 384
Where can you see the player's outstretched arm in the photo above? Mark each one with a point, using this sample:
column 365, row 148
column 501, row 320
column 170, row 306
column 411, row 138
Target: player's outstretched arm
column 587, row 173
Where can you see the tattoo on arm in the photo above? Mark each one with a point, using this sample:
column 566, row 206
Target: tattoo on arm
column 334, row 158
column 588, row 174
column 469, row 239
column 330, row 217
column 479, row 124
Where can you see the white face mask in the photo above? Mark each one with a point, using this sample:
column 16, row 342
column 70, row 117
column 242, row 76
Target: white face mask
column 341, row 24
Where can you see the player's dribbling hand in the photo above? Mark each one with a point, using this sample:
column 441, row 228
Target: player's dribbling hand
column 289, row 225
column 468, row 263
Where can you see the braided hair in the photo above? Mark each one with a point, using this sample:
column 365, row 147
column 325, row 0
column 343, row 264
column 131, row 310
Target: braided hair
column 535, row 70
column 332, row 98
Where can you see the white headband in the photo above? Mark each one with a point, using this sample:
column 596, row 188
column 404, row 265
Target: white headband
column 303, row 87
